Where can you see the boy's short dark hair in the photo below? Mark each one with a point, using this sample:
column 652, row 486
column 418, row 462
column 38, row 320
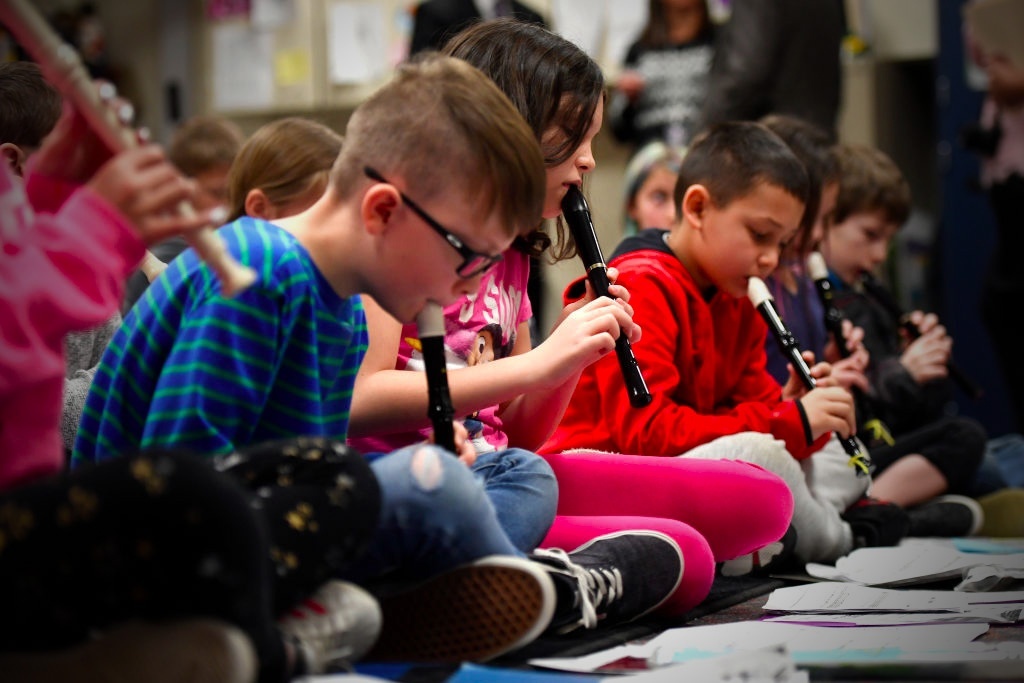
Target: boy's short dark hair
column 731, row 158
column 29, row 105
column 870, row 181
column 448, row 130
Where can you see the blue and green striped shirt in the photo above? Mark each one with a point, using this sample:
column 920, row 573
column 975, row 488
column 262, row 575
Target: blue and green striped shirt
column 190, row 368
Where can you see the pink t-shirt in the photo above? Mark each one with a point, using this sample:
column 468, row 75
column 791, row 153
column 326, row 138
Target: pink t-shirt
column 478, row 329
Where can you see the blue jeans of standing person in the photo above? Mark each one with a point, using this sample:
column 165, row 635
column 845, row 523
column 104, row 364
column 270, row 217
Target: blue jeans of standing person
column 1008, row 452
column 437, row 514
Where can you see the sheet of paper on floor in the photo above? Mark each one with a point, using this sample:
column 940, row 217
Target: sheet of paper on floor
column 910, row 564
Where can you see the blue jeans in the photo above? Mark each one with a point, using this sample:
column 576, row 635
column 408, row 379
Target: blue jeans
column 1008, row 452
column 437, row 514
column 524, row 492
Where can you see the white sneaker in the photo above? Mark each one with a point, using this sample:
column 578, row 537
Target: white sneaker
column 337, row 624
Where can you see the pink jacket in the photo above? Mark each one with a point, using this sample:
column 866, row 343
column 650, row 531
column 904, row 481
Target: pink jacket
column 64, row 255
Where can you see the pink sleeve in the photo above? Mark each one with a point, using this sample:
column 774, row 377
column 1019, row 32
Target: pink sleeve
column 59, row 272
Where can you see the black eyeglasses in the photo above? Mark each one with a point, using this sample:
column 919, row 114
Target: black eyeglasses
column 473, row 262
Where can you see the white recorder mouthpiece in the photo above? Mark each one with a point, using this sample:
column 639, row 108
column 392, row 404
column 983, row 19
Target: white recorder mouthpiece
column 430, row 321
column 816, row 267
column 757, row 291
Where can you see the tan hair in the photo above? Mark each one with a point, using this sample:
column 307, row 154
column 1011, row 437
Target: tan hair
column 448, row 130
column 204, row 142
column 285, row 159
column 869, row 180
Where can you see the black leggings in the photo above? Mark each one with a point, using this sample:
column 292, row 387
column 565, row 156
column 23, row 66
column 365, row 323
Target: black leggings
column 163, row 535
column 954, row 445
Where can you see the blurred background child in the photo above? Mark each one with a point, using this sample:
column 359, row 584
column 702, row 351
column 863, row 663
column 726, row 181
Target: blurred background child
column 649, row 182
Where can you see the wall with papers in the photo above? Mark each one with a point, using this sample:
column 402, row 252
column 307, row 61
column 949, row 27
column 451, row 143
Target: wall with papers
column 296, row 54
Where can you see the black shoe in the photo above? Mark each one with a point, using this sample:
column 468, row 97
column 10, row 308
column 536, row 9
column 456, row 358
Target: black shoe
column 612, row 579
column 946, row 517
column 876, row 523
column 774, row 557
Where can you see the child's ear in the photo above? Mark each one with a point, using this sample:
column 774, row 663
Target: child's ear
column 14, row 156
column 695, row 205
column 378, row 207
column 258, row 205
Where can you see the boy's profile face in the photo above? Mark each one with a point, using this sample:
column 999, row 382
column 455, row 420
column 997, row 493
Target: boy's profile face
column 420, row 265
column 744, row 238
column 212, row 188
column 858, row 245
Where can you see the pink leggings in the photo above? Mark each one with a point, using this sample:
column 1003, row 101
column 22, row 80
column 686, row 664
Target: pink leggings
column 714, row 509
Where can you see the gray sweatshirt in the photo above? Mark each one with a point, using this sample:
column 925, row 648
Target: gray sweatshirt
column 82, row 352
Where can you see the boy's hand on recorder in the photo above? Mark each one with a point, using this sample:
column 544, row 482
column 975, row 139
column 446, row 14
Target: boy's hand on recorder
column 849, row 373
column 830, row 409
column 74, row 151
column 795, row 387
column 927, row 357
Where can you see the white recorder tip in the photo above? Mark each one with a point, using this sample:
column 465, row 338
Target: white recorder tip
column 758, row 292
column 816, row 267
column 430, row 321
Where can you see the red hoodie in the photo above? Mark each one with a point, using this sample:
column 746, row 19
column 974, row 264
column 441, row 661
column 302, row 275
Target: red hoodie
column 703, row 360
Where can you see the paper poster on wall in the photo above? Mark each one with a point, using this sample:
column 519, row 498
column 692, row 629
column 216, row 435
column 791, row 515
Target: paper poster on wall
column 582, row 22
column 243, row 72
column 269, row 14
column 291, row 67
column 356, row 43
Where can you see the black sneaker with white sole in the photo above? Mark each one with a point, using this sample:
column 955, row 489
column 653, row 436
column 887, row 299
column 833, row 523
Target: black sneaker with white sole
column 611, row 579
column 875, row 523
column 946, row 517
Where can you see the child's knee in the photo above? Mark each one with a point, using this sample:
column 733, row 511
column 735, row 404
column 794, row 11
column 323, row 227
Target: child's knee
column 520, row 463
column 429, row 477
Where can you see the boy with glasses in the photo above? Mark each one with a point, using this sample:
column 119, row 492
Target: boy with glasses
column 191, row 368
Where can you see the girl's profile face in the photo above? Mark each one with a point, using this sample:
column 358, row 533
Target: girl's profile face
column 572, row 170
column 652, row 206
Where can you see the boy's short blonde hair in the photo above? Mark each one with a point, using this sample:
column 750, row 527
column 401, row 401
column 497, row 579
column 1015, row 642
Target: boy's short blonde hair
column 448, row 130
column 203, row 143
column 869, row 180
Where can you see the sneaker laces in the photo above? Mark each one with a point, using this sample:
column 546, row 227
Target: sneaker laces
column 598, row 587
